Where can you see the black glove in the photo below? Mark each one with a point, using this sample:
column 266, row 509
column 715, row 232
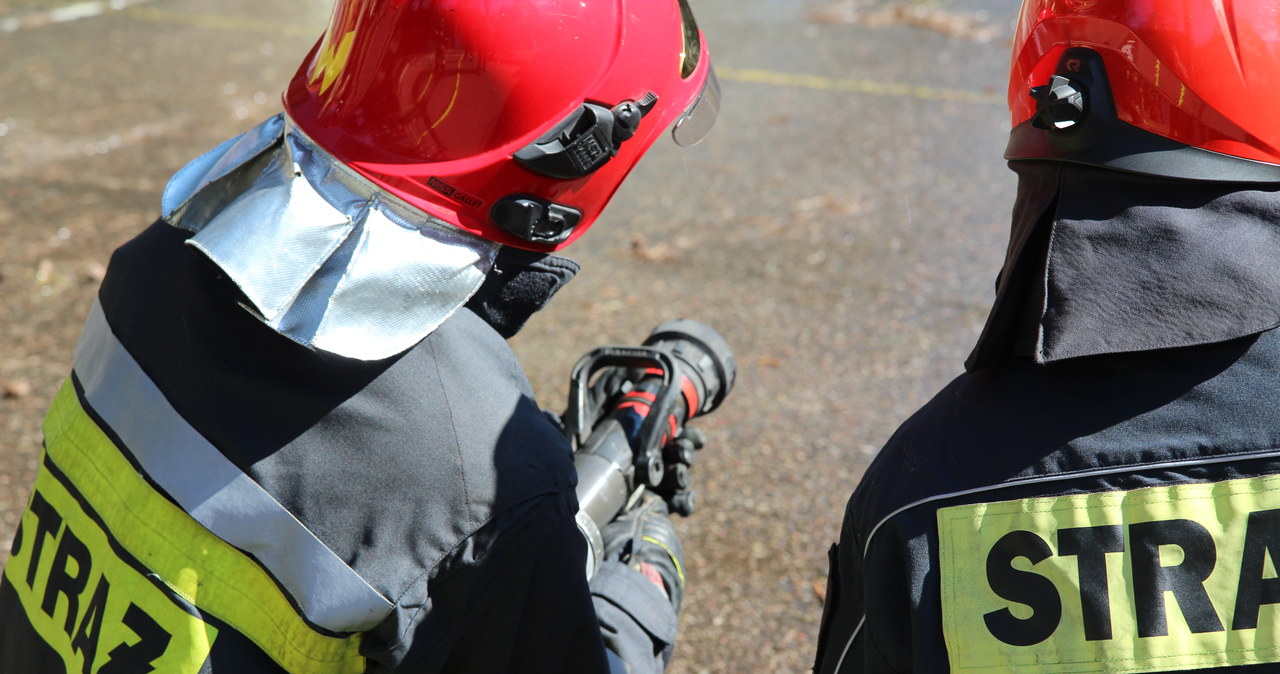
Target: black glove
column 645, row 539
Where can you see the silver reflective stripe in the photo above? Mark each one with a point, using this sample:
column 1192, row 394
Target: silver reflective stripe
column 845, row 653
column 216, row 493
column 616, row 664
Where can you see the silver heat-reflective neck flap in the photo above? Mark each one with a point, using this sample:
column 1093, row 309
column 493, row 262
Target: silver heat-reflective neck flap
column 326, row 258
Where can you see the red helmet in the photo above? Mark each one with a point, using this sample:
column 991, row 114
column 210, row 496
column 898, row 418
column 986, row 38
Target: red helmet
column 1175, row 88
column 515, row 120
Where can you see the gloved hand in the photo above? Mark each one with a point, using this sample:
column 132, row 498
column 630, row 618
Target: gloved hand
column 645, row 539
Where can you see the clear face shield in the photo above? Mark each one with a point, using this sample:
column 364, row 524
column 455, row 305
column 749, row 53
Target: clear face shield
column 697, row 120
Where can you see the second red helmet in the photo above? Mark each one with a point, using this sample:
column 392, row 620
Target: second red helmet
column 515, row 120
column 1175, row 88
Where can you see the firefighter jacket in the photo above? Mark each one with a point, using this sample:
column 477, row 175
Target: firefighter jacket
column 216, row 497
column 1101, row 491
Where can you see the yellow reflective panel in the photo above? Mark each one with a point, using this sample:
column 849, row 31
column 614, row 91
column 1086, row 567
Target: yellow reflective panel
column 1150, row 580
column 197, row 565
column 90, row 606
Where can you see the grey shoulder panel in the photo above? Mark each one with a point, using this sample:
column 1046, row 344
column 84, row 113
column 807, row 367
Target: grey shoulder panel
column 396, row 476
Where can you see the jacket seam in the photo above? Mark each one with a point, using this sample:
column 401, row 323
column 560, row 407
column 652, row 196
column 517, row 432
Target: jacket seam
column 466, row 492
column 457, row 446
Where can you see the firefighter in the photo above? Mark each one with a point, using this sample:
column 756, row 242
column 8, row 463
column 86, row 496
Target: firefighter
column 294, row 437
column 1098, row 491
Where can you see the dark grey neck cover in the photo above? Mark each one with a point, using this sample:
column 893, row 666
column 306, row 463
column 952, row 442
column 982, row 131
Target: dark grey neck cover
column 1101, row 261
column 520, row 284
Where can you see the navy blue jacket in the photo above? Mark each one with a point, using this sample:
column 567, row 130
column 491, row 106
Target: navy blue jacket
column 419, row 510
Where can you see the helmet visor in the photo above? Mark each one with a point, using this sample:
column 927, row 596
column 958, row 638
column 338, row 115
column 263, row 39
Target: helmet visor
column 697, row 120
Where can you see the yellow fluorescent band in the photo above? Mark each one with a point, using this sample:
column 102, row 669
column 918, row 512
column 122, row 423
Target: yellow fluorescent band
column 85, row 602
column 1150, row 580
column 197, row 565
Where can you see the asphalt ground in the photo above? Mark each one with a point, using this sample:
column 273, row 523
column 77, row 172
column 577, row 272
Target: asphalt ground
column 841, row 227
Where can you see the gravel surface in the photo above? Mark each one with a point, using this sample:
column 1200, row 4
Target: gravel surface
column 841, row 227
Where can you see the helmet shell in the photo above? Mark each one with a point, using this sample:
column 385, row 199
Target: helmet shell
column 1195, row 72
column 429, row 99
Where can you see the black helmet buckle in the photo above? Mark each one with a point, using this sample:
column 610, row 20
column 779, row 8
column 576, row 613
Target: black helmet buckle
column 535, row 220
column 585, row 140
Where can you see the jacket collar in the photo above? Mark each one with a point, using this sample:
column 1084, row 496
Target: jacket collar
column 1105, row 262
column 520, row 283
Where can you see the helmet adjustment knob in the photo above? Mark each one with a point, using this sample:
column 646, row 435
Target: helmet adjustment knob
column 627, row 115
column 1059, row 104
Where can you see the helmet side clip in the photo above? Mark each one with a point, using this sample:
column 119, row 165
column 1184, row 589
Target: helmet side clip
column 1075, row 107
column 585, row 140
column 574, row 148
column 535, row 220
column 1060, row 104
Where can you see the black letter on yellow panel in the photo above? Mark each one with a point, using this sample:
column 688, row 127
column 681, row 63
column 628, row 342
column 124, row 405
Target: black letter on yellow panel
column 17, row 542
column 1091, row 545
column 1261, row 538
column 86, row 641
column 48, row 521
column 62, row 582
column 1185, row 580
column 136, row 658
column 1022, row 587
